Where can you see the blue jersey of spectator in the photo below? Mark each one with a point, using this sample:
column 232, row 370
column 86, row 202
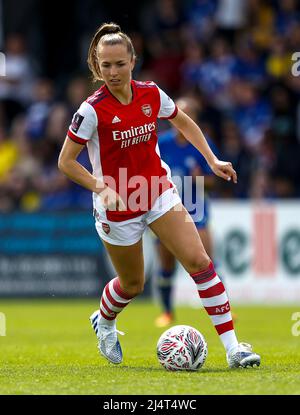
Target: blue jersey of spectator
column 251, row 70
column 253, row 120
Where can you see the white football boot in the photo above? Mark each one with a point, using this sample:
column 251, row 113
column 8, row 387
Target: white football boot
column 108, row 343
column 242, row 356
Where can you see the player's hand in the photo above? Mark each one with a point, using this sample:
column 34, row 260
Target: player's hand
column 225, row 170
column 111, row 200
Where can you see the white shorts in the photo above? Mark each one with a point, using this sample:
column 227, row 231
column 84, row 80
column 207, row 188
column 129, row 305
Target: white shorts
column 130, row 231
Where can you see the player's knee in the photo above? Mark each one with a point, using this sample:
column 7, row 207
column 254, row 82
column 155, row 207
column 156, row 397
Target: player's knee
column 134, row 288
column 198, row 263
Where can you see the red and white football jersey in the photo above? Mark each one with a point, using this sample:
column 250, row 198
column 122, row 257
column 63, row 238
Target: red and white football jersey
column 122, row 144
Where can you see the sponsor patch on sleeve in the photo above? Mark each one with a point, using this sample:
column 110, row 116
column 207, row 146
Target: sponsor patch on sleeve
column 76, row 123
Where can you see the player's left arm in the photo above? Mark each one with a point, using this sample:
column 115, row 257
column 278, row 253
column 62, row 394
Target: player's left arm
column 194, row 135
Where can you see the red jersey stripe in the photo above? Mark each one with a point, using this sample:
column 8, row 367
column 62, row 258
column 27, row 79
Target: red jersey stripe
column 172, row 115
column 74, row 137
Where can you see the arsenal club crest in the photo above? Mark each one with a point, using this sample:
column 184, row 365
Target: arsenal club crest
column 106, row 227
column 147, row 110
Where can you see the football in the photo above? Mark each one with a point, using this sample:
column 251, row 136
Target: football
column 182, row 348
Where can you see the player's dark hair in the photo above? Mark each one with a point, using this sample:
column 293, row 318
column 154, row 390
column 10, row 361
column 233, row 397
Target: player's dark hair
column 107, row 34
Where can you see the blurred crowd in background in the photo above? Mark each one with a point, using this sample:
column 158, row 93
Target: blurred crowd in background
column 233, row 56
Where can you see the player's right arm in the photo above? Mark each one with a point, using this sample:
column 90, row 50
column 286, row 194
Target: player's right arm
column 81, row 130
column 68, row 164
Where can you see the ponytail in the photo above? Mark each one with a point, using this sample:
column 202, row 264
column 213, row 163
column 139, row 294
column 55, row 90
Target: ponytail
column 107, row 34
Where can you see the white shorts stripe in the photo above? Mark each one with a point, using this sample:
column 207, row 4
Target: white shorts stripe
column 215, row 301
column 208, row 284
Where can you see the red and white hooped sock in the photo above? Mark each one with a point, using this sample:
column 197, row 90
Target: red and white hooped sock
column 113, row 301
column 215, row 301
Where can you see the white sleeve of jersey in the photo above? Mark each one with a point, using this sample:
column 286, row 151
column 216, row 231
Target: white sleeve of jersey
column 167, row 109
column 84, row 123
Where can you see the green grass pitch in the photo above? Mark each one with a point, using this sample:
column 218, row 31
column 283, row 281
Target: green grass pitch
column 50, row 348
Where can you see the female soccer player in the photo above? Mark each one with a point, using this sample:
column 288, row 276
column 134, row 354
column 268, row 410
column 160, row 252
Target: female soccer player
column 132, row 189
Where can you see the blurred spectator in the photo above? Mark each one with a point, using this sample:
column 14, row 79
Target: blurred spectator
column 201, row 17
column 284, row 112
column 286, row 167
column 252, row 113
column 210, row 118
column 139, row 47
column 78, row 89
column 287, row 16
column 165, row 65
column 286, row 172
column 293, row 37
column 50, row 183
column 261, row 22
column 16, row 191
column 27, row 165
column 250, row 65
column 16, row 86
column 64, row 194
column 279, row 60
column 231, row 16
column 38, row 111
column 61, row 112
column 242, row 159
column 216, row 74
column 191, row 67
column 162, row 17
column 8, row 155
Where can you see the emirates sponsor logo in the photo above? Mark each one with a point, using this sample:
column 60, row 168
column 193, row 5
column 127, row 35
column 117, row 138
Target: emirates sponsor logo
column 133, row 132
column 134, row 135
column 106, row 228
column 147, row 110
